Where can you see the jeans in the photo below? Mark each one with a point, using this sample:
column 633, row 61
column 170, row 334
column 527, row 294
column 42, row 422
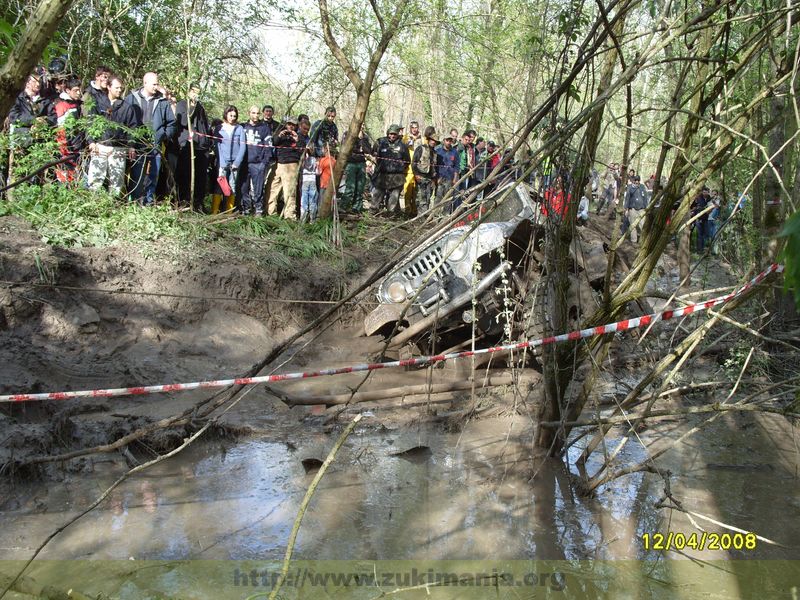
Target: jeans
column 231, row 174
column 253, row 189
column 144, row 174
column 309, row 200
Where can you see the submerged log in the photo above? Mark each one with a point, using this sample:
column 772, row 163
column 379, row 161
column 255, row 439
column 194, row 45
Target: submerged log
column 527, row 376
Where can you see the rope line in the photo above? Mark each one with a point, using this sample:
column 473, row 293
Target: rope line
column 618, row 326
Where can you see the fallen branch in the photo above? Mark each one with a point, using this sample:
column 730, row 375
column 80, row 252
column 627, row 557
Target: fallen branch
column 38, row 171
column 716, row 407
column 302, row 510
column 403, row 391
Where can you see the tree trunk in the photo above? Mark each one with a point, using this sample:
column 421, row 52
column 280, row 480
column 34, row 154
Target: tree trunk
column 362, row 86
column 559, row 359
column 38, row 32
column 359, row 114
column 438, row 114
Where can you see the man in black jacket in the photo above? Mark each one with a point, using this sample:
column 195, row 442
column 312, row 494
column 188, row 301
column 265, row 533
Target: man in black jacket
column 116, row 144
column 274, row 129
column 192, row 111
column 155, row 112
column 96, row 90
column 28, row 107
column 259, row 154
column 392, row 158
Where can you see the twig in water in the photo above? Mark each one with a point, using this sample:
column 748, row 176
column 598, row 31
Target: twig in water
column 302, row 511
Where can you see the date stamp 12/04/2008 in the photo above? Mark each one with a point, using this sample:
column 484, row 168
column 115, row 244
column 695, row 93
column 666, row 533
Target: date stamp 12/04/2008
column 674, row 540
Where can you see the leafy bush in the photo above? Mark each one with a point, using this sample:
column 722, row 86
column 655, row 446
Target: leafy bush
column 791, row 255
column 70, row 216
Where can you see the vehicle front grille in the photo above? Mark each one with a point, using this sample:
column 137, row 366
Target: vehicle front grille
column 429, row 261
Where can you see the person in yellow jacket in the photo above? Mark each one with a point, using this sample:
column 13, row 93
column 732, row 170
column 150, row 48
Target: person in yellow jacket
column 413, row 139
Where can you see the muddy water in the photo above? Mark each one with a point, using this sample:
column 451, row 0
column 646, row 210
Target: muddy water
column 461, row 495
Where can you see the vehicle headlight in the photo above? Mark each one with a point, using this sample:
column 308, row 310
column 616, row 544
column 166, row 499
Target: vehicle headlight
column 397, row 291
column 455, row 247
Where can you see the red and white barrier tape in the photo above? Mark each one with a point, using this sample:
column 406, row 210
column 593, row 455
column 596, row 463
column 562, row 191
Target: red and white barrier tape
column 295, row 145
column 411, row 362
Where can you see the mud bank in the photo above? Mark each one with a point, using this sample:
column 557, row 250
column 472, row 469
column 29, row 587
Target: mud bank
column 195, row 318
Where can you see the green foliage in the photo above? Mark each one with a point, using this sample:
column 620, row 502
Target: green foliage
column 67, row 216
column 292, row 238
column 7, row 35
column 78, row 217
column 790, row 256
column 733, row 365
column 40, row 147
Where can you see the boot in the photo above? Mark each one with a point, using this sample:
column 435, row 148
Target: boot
column 216, row 200
column 230, row 203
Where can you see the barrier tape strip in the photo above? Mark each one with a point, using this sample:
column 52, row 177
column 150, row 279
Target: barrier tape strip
column 295, row 145
column 624, row 325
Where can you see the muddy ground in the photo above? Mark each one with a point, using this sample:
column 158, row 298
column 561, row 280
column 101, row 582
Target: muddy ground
column 176, row 318
column 415, row 482
column 171, row 319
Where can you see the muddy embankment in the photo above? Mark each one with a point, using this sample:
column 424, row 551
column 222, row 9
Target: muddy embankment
column 197, row 317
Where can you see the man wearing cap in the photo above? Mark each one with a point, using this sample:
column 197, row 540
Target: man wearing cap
column 423, row 165
column 289, row 147
column 392, row 158
column 447, row 167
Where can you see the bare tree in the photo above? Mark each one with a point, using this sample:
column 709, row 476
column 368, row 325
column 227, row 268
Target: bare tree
column 362, row 85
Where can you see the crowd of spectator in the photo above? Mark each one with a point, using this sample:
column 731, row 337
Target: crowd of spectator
column 253, row 166
column 263, row 166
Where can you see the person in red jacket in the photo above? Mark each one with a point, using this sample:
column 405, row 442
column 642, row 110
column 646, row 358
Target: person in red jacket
column 66, row 108
column 556, row 200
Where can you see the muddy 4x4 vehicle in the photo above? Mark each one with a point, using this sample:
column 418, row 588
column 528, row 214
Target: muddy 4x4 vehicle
column 428, row 298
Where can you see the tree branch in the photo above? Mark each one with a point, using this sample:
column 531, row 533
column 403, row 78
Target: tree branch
column 335, row 48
